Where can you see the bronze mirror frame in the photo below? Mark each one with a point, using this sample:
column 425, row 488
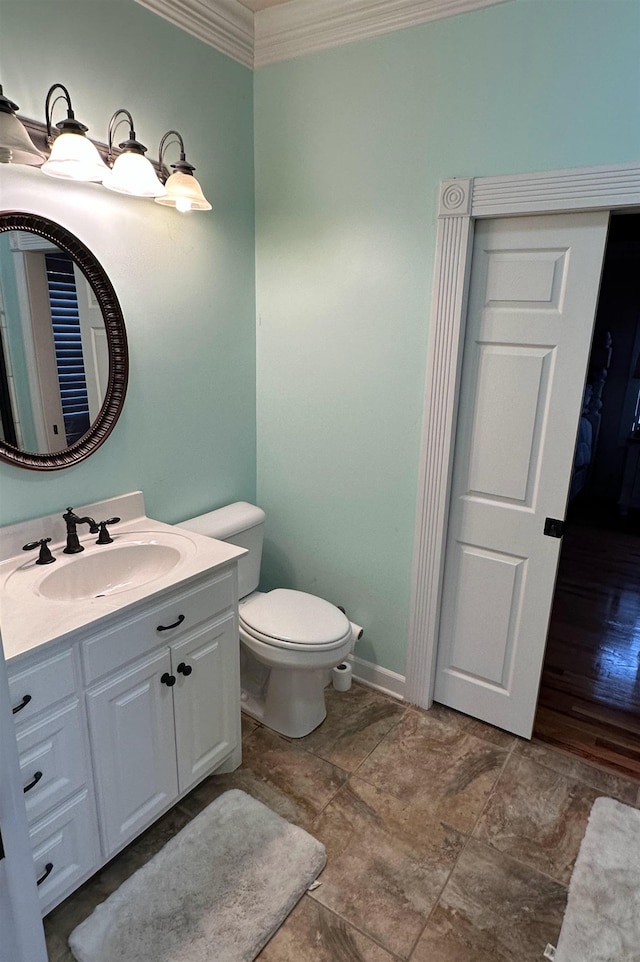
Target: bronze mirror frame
column 118, row 378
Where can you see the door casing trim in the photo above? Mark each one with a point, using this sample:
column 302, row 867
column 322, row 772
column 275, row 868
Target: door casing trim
column 461, row 202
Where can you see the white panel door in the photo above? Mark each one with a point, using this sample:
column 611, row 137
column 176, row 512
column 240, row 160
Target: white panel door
column 95, row 347
column 532, row 301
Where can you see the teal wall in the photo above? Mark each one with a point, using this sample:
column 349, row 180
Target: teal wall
column 185, row 282
column 351, row 144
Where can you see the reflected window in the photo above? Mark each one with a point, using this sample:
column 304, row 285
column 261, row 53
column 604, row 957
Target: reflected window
column 67, row 342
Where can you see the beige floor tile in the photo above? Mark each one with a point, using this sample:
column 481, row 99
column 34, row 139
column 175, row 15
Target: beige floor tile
column 57, row 948
column 387, row 862
column 248, row 725
column 493, row 909
column 356, row 722
column 314, row 934
column 429, row 757
column 607, row 783
column 473, row 726
column 276, row 771
column 537, row 816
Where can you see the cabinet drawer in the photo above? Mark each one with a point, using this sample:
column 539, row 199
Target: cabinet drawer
column 52, row 760
column 68, row 842
column 176, row 616
column 38, row 686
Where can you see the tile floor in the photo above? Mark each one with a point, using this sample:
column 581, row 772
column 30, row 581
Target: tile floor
column 447, row 840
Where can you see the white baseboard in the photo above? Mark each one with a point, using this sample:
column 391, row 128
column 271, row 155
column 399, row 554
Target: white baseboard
column 373, row 676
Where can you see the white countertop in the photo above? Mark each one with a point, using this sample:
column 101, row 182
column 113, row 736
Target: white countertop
column 29, row 620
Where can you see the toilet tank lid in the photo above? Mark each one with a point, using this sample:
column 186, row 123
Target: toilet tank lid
column 224, row 522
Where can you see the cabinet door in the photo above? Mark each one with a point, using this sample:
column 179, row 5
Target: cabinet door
column 206, row 699
column 132, row 737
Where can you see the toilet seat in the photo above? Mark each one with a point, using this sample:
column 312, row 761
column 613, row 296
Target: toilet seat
column 294, row 619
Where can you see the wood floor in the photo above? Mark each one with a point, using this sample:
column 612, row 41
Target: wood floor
column 589, row 700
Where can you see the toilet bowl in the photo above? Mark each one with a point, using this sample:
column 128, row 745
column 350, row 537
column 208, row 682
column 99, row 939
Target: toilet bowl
column 289, row 640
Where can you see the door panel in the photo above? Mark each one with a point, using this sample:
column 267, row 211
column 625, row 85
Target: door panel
column 512, row 392
column 491, row 583
column 532, row 300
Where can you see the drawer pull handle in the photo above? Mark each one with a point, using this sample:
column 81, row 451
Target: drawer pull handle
column 184, row 669
column 36, row 778
column 168, row 680
column 23, row 704
column 174, row 625
column 48, row 869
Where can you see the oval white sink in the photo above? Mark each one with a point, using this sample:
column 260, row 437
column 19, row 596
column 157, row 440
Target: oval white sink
column 119, row 568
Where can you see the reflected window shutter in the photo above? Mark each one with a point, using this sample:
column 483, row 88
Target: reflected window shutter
column 65, row 319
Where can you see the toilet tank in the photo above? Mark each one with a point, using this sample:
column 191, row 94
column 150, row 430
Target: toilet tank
column 241, row 524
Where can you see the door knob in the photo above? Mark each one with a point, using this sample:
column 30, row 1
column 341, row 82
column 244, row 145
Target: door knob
column 168, row 680
column 184, row 669
column 553, row 527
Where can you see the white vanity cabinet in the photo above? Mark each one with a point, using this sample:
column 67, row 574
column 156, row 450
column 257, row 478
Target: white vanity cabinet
column 123, row 667
column 54, row 758
column 116, row 724
column 162, row 702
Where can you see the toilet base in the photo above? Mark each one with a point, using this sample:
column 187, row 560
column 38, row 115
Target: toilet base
column 293, row 701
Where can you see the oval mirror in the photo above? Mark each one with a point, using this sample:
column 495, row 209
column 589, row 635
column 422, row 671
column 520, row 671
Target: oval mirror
column 63, row 346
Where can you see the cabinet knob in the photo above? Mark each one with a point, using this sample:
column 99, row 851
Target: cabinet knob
column 184, row 669
column 168, row 680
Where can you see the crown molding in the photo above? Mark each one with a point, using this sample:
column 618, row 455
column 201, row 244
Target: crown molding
column 223, row 24
column 305, row 26
column 300, row 26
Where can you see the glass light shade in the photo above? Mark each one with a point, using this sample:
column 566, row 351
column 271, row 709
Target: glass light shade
column 74, row 157
column 184, row 193
column 133, row 174
column 16, row 146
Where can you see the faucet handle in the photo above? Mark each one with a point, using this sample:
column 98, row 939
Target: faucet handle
column 45, row 557
column 104, row 537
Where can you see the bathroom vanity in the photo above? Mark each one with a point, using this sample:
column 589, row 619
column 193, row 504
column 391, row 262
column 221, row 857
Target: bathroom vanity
column 123, row 670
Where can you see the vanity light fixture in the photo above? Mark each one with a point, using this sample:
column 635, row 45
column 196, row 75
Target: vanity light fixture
column 73, row 156
column 16, row 146
column 132, row 172
column 182, row 189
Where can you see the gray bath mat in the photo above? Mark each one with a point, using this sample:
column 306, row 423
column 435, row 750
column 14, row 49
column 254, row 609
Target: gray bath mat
column 215, row 893
column 602, row 921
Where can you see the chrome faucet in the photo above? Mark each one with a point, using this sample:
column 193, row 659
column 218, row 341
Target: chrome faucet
column 71, row 519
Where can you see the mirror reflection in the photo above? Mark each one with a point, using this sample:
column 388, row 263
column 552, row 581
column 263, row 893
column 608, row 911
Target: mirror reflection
column 54, row 351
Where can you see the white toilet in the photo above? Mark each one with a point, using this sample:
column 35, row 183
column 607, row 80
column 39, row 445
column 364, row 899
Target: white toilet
column 289, row 639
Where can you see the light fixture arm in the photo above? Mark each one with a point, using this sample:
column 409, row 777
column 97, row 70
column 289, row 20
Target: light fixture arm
column 131, row 144
column 183, row 164
column 70, row 124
